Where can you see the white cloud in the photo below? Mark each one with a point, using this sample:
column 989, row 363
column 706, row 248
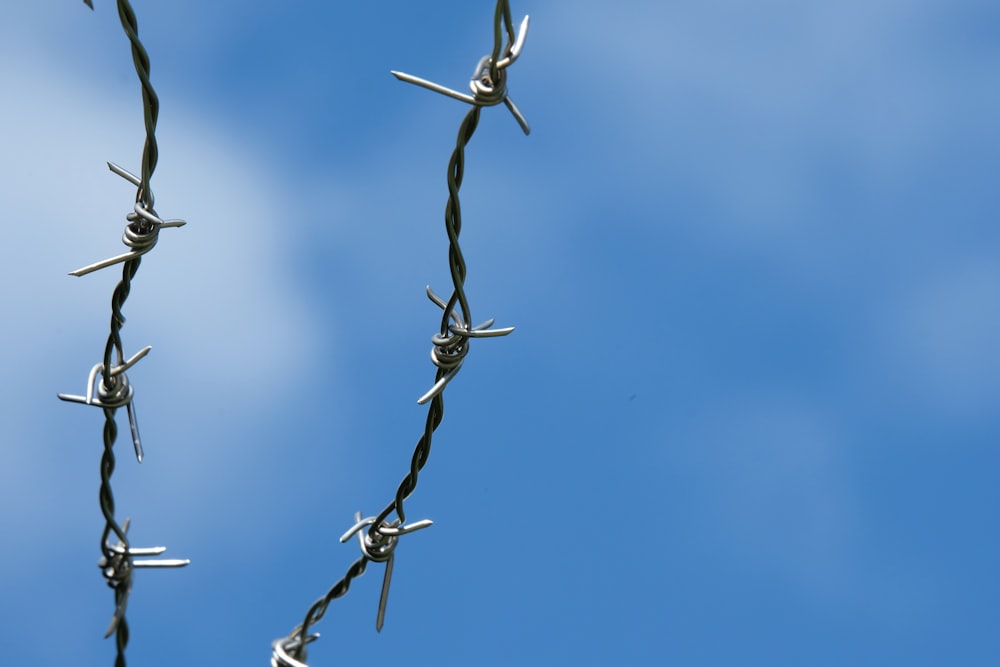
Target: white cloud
column 231, row 336
column 940, row 338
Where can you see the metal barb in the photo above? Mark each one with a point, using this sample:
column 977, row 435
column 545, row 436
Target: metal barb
column 383, row 598
column 121, row 393
column 133, row 427
column 379, row 544
column 117, row 565
column 387, row 529
column 488, row 83
column 141, row 233
column 515, row 49
column 131, row 362
column 128, row 176
column 280, row 648
column 449, row 351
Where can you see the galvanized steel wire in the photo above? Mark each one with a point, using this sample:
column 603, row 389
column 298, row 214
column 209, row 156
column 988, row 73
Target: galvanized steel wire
column 379, row 535
column 108, row 386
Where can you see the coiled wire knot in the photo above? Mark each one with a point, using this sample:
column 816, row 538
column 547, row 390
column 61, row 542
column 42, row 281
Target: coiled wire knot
column 378, row 544
column 451, row 346
column 449, row 349
column 488, row 83
column 113, row 391
column 118, row 563
column 489, row 80
column 116, row 566
column 282, row 650
column 141, row 232
column 119, row 393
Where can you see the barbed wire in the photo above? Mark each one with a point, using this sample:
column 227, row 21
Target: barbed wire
column 113, row 389
column 379, row 535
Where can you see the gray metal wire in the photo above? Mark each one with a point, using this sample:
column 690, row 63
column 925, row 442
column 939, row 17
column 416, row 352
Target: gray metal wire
column 113, row 391
column 378, row 535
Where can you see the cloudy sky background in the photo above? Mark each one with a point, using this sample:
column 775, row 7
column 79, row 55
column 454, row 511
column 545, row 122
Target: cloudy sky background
column 749, row 414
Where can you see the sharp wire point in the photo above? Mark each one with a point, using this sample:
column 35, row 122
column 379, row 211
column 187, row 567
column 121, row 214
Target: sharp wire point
column 134, row 428
column 383, row 599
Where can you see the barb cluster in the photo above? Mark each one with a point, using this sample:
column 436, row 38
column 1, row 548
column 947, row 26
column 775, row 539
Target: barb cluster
column 108, row 386
column 378, row 536
column 489, row 79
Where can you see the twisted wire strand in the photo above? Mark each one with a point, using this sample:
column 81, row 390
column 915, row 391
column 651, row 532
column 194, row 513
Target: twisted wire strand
column 140, row 236
column 450, row 348
column 121, row 638
column 144, row 194
column 111, row 525
column 150, row 105
column 106, row 496
column 502, row 19
column 114, row 344
column 300, row 635
column 455, row 345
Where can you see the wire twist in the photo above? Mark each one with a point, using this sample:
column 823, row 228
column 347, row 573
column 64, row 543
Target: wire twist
column 150, row 103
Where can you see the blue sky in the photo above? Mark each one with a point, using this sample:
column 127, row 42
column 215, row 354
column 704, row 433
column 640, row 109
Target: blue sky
column 749, row 414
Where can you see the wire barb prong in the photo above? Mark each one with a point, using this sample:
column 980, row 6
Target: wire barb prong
column 140, row 234
column 436, row 87
column 488, row 82
column 117, row 565
column 515, row 49
column 280, row 650
column 383, row 598
column 127, row 175
column 114, row 392
column 449, row 351
column 378, row 544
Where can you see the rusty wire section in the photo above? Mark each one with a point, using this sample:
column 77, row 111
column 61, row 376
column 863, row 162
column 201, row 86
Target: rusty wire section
column 379, row 535
column 107, row 385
